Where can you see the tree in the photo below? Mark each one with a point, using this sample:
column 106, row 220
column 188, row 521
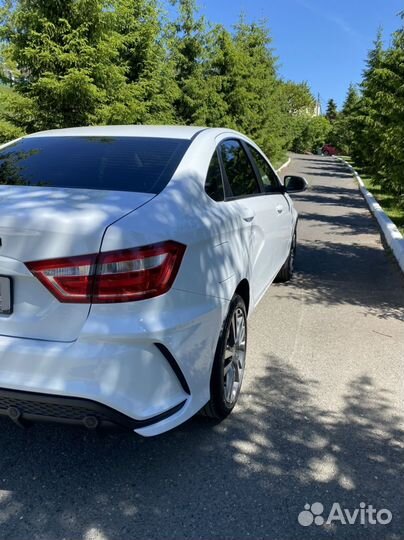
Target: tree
column 351, row 101
column 80, row 62
column 388, row 117
column 149, row 89
column 344, row 134
column 313, row 136
column 66, row 56
column 242, row 72
column 331, row 112
column 297, row 105
column 189, row 45
column 366, row 122
column 373, row 122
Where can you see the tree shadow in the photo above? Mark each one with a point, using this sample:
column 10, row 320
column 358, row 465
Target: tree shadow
column 328, row 169
column 249, row 476
column 350, row 223
column 332, row 196
column 353, row 274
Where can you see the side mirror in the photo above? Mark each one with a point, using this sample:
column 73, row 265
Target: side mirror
column 295, row 184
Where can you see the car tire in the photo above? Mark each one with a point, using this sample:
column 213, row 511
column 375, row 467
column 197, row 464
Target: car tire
column 286, row 272
column 229, row 363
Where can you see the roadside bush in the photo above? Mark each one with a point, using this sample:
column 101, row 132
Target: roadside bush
column 314, row 135
column 8, row 132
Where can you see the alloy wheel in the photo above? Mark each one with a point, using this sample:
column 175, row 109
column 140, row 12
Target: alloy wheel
column 234, row 357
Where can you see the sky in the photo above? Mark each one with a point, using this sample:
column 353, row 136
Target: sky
column 322, row 42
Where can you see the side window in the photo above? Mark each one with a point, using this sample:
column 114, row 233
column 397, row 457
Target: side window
column 214, row 182
column 239, row 170
column 268, row 177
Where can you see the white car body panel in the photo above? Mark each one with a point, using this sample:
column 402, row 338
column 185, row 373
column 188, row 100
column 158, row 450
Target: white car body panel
column 107, row 352
column 43, row 223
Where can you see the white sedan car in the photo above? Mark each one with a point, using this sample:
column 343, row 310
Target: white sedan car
column 130, row 258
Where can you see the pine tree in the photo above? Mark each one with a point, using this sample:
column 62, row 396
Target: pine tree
column 331, row 112
column 66, row 55
column 388, row 117
column 242, row 70
column 372, row 124
column 351, row 100
column 189, row 45
column 366, row 123
column 344, row 135
column 150, row 89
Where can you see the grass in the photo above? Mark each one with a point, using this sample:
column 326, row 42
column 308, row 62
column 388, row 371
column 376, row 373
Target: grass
column 387, row 201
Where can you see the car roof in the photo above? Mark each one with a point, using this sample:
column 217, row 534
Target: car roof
column 166, row 132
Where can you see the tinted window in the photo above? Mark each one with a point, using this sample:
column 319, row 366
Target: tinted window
column 141, row 164
column 238, row 168
column 214, row 183
column 268, row 176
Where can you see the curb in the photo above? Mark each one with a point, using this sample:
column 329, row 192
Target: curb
column 284, row 165
column 390, row 231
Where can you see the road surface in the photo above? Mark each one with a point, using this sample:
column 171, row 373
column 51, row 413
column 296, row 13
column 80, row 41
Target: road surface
column 320, row 419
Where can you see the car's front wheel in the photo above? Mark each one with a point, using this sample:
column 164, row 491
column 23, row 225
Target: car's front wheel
column 229, row 363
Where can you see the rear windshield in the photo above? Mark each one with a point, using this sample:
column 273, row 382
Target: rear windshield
column 140, row 164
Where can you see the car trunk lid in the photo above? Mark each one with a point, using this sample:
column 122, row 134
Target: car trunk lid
column 38, row 223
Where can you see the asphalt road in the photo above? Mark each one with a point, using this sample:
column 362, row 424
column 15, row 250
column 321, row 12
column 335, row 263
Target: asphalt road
column 320, row 418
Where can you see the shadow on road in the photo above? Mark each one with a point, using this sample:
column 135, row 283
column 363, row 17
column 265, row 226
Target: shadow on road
column 350, row 274
column 326, row 168
column 348, row 224
column 332, row 196
column 250, row 475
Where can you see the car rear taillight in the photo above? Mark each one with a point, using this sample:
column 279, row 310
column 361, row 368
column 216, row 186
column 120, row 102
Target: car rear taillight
column 114, row 276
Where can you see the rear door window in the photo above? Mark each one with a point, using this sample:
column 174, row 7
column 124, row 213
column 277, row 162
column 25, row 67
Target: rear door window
column 239, row 171
column 214, row 181
column 138, row 164
column 268, row 176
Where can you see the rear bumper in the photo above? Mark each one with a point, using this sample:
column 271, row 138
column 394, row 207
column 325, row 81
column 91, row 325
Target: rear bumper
column 151, row 368
column 24, row 407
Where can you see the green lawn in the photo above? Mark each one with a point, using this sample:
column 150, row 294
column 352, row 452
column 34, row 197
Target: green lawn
column 387, row 202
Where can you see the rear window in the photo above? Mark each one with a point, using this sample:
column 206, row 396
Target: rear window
column 140, row 164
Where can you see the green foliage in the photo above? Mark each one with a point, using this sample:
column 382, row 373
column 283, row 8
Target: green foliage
column 371, row 127
column 149, row 88
column 189, row 54
column 243, row 71
column 343, row 134
column 80, row 62
column 331, row 112
column 8, row 129
column 313, row 136
column 297, row 106
column 66, row 59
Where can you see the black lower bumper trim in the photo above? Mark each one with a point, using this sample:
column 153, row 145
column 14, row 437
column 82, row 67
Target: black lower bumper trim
column 174, row 366
column 24, row 407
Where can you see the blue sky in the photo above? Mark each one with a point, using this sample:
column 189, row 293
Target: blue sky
column 325, row 46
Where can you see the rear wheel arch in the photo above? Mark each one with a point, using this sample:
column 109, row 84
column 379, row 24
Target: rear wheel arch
column 243, row 289
column 229, row 362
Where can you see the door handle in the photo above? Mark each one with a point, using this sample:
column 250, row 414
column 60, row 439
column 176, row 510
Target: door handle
column 279, row 209
column 248, row 219
column 247, row 214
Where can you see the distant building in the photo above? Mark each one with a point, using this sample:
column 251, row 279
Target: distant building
column 317, row 107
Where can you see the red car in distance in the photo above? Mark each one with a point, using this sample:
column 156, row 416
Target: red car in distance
column 329, row 150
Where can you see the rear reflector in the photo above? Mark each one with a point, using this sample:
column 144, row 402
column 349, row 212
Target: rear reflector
column 115, row 276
